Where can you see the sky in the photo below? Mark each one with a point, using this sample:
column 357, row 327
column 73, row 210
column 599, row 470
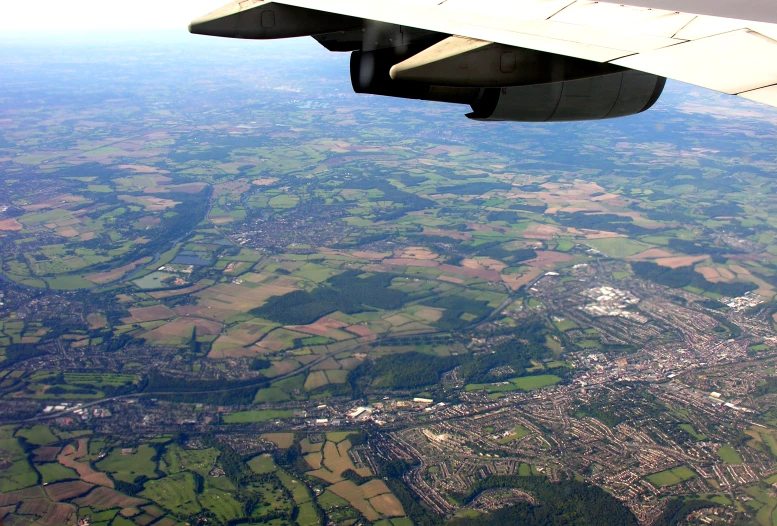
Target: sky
column 34, row 16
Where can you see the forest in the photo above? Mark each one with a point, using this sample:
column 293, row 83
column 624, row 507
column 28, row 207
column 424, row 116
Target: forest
column 564, row 503
column 687, row 277
column 402, row 371
column 348, row 292
column 414, row 369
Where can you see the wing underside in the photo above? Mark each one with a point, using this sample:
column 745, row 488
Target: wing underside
column 729, row 55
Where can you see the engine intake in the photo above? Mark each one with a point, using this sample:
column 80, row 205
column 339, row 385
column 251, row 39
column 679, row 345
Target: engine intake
column 370, row 74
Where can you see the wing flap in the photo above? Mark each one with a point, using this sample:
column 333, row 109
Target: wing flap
column 767, row 95
column 733, row 62
column 725, row 54
column 638, row 20
column 485, row 21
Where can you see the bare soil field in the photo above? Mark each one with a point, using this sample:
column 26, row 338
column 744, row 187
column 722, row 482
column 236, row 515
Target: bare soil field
column 68, row 459
column 10, row 225
column 234, row 352
column 326, row 327
column 46, row 454
column 279, row 339
column 282, row 440
column 96, row 321
column 540, row 231
column 652, row 253
column 481, row 273
column 314, row 460
column 245, row 334
column 236, row 186
column 14, row 497
column 387, row 505
column 406, row 262
column 149, row 221
column 336, row 457
column 516, row 281
column 453, row 234
column 600, row 234
column 359, row 330
column 187, row 188
column 310, row 447
column 105, row 498
column 450, row 279
column 67, row 490
column 238, row 298
column 549, row 259
column 353, row 494
column 325, row 475
column 67, row 231
column 144, row 314
column 82, row 450
column 182, row 328
column 680, row 261
column 376, row 256
column 716, row 274
column 113, row 275
column 52, row 514
column 153, row 204
column 739, row 270
column 374, row 488
column 142, row 169
column 161, row 294
column 326, row 365
column 59, row 201
column 264, row 181
column 487, row 263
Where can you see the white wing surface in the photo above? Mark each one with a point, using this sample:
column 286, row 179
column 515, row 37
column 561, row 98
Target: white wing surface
column 683, row 40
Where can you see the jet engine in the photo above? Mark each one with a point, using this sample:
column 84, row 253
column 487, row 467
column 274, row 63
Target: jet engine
column 499, row 82
column 370, row 74
column 619, row 94
column 604, row 97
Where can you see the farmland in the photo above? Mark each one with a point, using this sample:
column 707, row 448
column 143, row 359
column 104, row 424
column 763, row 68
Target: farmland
column 237, row 292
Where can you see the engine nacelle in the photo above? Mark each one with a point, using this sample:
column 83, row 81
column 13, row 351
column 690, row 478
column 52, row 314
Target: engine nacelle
column 603, row 97
column 370, row 74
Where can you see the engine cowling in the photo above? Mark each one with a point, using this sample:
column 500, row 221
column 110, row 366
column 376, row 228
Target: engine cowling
column 370, row 74
column 602, row 97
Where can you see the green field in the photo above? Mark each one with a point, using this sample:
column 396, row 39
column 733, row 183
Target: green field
column 242, row 417
column 523, row 383
column 329, row 500
column 729, row 455
column 54, row 472
column 518, row 433
column 221, row 504
column 175, row 493
column 262, row 464
column 564, row 325
column 271, row 394
column 197, row 460
column 671, row 477
column 618, row 247
column 284, row 201
column 588, row 344
column 39, row 435
column 128, row 467
column 688, row 428
column 18, row 475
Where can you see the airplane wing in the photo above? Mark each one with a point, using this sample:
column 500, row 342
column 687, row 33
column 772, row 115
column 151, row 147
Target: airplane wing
column 541, row 48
